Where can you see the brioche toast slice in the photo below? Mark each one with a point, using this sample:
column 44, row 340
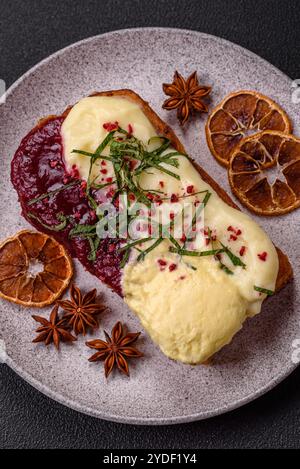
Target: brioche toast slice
column 285, row 272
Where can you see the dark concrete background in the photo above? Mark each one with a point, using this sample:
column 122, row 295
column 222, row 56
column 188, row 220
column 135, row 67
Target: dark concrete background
column 30, row 30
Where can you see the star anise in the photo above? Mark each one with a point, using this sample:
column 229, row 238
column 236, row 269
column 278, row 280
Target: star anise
column 186, row 96
column 81, row 311
column 52, row 330
column 116, row 350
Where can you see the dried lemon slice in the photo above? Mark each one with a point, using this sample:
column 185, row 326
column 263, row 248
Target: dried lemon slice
column 237, row 115
column 34, row 269
column 264, row 173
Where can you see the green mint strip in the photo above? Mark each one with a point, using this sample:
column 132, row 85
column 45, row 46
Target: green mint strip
column 264, row 290
column 185, row 252
column 134, row 243
column 55, row 191
column 234, row 259
column 153, row 246
column 59, row 227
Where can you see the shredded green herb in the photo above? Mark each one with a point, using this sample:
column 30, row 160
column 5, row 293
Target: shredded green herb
column 142, row 255
column 121, row 152
column 222, row 266
column 264, row 290
column 94, row 244
column 59, row 227
column 50, row 193
column 134, row 243
column 234, row 259
column 83, row 230
column 225, row 268
column 186, row 252
column 124, row 259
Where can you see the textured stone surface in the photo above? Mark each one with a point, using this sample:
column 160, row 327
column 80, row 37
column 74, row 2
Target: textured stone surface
column 219, row 71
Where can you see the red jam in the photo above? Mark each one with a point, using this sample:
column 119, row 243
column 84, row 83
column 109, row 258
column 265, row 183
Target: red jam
column 33, row 174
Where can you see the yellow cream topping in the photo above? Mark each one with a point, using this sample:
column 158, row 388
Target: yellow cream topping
column 189, row 313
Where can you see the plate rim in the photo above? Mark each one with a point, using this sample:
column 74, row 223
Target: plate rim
column 35, row 383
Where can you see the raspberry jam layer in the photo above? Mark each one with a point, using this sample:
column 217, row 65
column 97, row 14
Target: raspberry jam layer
column 37, row 168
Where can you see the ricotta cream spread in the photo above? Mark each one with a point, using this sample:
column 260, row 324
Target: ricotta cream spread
column 189, row 306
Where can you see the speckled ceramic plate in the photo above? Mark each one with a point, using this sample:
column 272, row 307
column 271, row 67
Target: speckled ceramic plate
column 159, row 390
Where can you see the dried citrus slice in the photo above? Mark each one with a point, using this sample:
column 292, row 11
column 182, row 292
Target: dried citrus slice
column 238, row 115
column 264, row 172
column 34, row 269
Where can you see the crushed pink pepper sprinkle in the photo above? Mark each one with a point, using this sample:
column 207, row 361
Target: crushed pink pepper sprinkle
column 109, row 179
column 233, row 237
column 172, row 267
column 190, row 189
column 174, row 198
column 182, row 277
column 74, row 172
column 150, row 196
column 110, row 193
column 162, row 263
column 236, row 231
column 109, row 126
column 103, row 163
column 263, row 256
column 242, row 250
column 161, row 183
column 103, row 171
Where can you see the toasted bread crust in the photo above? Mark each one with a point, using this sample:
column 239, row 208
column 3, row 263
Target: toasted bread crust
column 285, row 272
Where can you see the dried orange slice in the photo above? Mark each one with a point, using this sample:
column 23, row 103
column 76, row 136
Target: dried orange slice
column 34, row 269
column 264, row 173
column 238, row 115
